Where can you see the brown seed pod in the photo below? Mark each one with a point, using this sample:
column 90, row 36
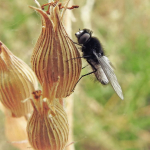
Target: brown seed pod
column 47, row 131
column 17, row 82
column 54, row 52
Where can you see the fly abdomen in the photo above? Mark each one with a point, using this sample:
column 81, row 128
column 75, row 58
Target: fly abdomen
column 99, row 74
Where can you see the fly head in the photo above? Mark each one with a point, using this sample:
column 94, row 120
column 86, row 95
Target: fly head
column 83, row 36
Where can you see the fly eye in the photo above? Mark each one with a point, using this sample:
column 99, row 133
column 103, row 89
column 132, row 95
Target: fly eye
column 83, row 38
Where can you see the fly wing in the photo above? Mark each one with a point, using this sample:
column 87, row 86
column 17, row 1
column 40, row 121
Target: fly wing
column 109, row 72
column 99, row 74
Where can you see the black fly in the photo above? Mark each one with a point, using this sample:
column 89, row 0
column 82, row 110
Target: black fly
column 94, row 54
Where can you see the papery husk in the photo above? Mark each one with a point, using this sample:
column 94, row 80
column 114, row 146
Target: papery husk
column 15, row 130
column 53, row 54
column 17, row 82
column 45, row 130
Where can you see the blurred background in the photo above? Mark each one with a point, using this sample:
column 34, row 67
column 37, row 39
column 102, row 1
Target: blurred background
column 101, row 120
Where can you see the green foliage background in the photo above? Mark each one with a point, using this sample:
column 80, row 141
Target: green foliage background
column 101, row 120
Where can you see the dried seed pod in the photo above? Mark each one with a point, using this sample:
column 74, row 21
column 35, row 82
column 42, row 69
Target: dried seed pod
column 17, row 82
column 15, row 131
column 54, row 53
column 45, row 130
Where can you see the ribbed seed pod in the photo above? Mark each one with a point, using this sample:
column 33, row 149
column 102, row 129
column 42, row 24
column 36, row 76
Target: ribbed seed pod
column 17, row 82
column 54, row 52
column 45, row 130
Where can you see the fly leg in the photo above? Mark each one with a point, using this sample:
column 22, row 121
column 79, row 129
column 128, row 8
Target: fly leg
column 84, row 67
column 74, row 58
column 79, row 57
column 75, row 42
column 86, row 74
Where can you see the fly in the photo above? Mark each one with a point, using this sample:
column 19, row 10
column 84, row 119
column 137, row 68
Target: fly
column 94, row 54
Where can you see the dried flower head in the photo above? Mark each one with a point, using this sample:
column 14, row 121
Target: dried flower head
column 53, row 53
column 47, row 131
column 17, row 82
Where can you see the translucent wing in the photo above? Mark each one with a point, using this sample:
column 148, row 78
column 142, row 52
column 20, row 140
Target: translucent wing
column 109, row 72
column 99, row 74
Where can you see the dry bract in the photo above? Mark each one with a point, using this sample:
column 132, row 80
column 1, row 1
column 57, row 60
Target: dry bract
column 53, row 54
column 45, row 130
column 17, row 82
